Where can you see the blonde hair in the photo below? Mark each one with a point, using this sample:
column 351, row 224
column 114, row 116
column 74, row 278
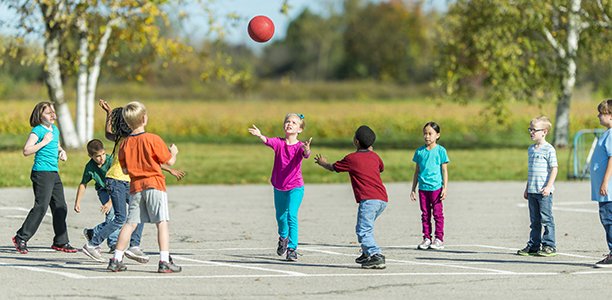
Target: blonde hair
column 544, row 120
column 37, row 112
column 134, row 113
column 605, row 107
column 300, row 116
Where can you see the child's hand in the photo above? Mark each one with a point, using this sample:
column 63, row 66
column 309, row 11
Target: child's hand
column 179, row 174
column 546, row 191
column 77, row 208
column 255, row 131
column 106, row 207
column 62, row 155
column 525, row 195
column 173, row 149
column 306, row 145
column 104, row 105
column 443, row 194
column 47, row 138
column 603, row 190
column 413, row 196
column 320, row 160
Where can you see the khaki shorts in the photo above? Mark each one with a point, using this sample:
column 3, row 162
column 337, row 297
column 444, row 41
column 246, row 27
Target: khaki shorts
column 148, row 206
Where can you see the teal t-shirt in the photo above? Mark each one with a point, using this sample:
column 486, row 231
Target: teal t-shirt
column 98, row 174
column 46, row 158
column 430, row 167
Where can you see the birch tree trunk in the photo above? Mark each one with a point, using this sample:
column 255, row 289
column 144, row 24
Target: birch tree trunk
column 568, row 81
column 81, row 103
column 53, row 78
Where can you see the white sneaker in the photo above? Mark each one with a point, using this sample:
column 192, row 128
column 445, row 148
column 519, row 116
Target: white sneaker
column 93, row 252
column 136, row 254
column 437, row 244
column 425, row 244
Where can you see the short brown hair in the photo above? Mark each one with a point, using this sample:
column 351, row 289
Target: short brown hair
column 134, row 113
column 94, row 146
column 605, row 107
column 37, row 112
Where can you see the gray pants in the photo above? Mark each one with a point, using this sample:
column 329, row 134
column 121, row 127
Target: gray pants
column 48, row 192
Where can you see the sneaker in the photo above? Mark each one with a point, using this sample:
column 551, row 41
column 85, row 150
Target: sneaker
column 528, row 251
column 437, row 244
column 116, row 265
column 361, row 259
column 88, row 234
column 134, row 253
column 282, row 246
column 168, row 267
column 605, row 263
column 376, row 261
column 292, row 255
column 547, row 251
column 94, row 253
column 64, row 248
column 20, row 245
column 424, row 244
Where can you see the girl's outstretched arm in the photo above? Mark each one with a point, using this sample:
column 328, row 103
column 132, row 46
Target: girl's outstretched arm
column 306, row 148
column 109, row 125
column 256, row 132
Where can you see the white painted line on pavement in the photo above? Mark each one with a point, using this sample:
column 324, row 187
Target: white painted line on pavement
column 507, row 248
column 20, row 209
column 238, row 266
column 35, row 269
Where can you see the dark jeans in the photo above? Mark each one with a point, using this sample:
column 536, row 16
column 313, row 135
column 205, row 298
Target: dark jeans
column 48, row 192
column 120, row 196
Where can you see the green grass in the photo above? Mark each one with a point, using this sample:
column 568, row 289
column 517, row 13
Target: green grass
column 252, row 163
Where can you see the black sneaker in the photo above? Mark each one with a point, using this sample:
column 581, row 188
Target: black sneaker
column 292, row 255
column 282, row 246
column 527, row 251
column 116, row 266
column 168, row 267
column 64, row 248
column 376, row 261
column 361, row 259
column 20, row 245
column 605, row 263
column 88, row 234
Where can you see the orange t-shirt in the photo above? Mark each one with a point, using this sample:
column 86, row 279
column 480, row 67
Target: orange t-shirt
column 142, row 155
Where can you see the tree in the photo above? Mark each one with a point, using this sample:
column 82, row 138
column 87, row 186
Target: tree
column 90, row 25
column 521, row 50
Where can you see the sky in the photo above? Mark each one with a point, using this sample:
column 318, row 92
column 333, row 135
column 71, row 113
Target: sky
column 236, row 33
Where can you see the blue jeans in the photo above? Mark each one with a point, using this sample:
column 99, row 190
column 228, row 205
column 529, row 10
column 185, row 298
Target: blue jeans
column 605, row 215
column 104, row 197
column 368, row 212
column 119, row 192
column 287, row 204
column 540, row 215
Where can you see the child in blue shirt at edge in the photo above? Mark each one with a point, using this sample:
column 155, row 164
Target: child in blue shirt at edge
column 539, row 190
column 95, row 170
column 364, row 167
column 431, row 174
column 601, row 172
column 44, row 142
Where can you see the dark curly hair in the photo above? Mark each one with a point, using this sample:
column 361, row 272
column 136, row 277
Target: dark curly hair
column 119, row 127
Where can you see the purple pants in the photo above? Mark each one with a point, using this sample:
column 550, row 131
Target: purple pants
column 431, row 204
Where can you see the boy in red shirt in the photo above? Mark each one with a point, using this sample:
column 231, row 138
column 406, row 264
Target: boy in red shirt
column 364, row 167
column 141, row 156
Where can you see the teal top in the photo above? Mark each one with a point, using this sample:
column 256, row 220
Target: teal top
column 46, row 157
column 430, row 167
column 98, row 174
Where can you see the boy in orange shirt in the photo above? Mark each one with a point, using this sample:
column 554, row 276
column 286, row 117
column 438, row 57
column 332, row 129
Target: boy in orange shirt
column 141, row 156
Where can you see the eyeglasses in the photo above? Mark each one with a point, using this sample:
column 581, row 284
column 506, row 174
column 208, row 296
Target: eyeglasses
column 532, row 130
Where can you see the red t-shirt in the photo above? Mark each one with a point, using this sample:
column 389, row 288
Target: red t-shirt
column 364, row 168
column 141, row 155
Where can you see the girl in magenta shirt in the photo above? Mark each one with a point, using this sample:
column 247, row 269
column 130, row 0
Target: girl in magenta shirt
column 287, row 180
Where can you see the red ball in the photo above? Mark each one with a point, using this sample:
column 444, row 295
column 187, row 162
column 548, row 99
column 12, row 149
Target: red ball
column 261, row 29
